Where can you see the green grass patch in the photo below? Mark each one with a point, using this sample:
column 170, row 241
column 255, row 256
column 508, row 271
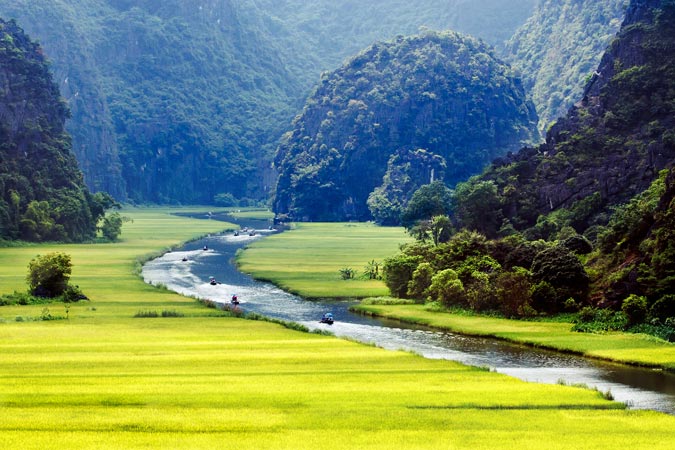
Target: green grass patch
column 104, row 379
column 629, row 348
column 307, row 259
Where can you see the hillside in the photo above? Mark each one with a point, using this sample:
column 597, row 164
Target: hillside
column 43, row 194
column 605, row 172
column 612, row 144
column 444, row 93
column 177, row 102
column 559, row 47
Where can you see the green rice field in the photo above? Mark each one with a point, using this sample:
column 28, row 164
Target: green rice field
column 307, row 259
column 102, row 379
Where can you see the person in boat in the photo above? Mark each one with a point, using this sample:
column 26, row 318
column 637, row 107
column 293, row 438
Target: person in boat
column 235, row 299
column 185, row 258
column 327, row 318
column 206, row 248
column 212, row 281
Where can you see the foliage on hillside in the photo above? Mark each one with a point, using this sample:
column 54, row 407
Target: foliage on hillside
column 598, row 175
column 174, row 101
column 611, row 146
column 43, row 194
column 443, row 93
column 559, row 48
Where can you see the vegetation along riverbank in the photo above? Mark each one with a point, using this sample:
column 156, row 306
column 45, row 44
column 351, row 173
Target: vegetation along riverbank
column 105, row 379
column 312, row 254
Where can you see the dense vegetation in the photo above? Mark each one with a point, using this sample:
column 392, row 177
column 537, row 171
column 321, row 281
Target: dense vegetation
column 592, row 190
column 558, row 49
column 43, row 194
column 174, row 101
column 443, row 93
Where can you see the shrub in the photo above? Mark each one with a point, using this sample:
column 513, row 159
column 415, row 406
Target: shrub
column 347, row 273
column 635, row 309
column 447, row 288
column 578, row 244
column 663, row 308
column 421, row 281
column 48, row 275
column 398, row 271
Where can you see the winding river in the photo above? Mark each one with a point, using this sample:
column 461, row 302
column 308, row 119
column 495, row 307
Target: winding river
column 638, row 388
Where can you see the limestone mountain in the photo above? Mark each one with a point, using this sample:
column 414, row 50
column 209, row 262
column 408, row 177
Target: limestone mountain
column 444, row 93
column 611, row 145
column 559, row 47
column 43, row 193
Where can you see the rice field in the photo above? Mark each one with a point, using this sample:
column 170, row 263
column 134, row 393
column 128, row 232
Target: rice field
column 103, row 379
column 307, row 259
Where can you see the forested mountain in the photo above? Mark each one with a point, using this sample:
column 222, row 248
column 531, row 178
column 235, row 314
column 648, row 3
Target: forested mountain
column 43, row 194
column 444, row 93
column 559, row 48
column 178, row 101
column 612, row 144
column 606, row 170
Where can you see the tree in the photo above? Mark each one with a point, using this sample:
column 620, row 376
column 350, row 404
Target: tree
column 48, row 275
column 447, row 288
column 562, row 270
column 430, row 200
column 112, row 226
column 478, row 207
column 398, row 271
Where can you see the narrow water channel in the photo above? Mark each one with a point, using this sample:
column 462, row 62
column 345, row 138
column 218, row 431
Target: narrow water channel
column 637, row 387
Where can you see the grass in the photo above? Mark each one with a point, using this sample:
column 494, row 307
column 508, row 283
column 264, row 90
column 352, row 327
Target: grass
column 105, row 379
column 629, row 348
column 307, row 259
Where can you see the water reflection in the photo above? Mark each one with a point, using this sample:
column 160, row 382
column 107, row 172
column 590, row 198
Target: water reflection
column 188, row 272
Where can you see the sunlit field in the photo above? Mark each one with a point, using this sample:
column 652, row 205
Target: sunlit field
column 307, row 259
column 230, row 383
column 104, row 379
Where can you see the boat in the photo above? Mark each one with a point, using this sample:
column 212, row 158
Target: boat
column 212, row 281
column 327, row 319
column 185, row 258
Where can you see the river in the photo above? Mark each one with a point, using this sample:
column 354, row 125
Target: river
column 637, row 387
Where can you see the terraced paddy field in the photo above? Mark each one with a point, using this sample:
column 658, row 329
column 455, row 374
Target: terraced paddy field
column 105, row 379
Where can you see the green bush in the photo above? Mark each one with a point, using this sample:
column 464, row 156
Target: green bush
column 663, row 308
column 48, row 275
column 418, row 287
column 447, row 288
column 635, row 309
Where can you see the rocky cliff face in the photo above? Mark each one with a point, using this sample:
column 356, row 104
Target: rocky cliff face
column 612, row 144
column 559, row 47
column 43, row 194
column 69, row 48
column 444, row 93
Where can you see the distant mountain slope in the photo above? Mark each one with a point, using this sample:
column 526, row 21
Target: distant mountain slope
column 43, row 194
column 612, row 145
column 559, row 48
column 178, row 101
column 444, row 93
